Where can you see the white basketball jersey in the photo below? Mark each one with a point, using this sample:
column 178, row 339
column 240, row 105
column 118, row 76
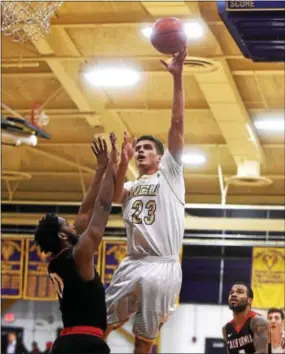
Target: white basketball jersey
column 153, row 211
column 278, row 350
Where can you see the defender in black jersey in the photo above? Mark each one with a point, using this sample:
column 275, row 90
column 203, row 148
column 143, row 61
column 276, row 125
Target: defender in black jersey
column 248, row 332
column 71, row 269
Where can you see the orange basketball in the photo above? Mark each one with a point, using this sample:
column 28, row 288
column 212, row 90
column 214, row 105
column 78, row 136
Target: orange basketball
column 168, row 35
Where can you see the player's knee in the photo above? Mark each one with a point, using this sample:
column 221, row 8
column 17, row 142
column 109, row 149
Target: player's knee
column 113, row 327
column 143, row 345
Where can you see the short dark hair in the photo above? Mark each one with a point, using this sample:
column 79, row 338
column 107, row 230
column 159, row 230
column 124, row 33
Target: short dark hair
column 46, row 235
column 273, row 310
column 158, row 144
column 249, row 289
column 11, row 332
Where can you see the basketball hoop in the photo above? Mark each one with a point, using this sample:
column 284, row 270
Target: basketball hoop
column 26, row 20
column 38, row 117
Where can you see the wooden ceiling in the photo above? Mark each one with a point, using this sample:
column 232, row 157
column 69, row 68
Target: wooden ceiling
column 222, row 97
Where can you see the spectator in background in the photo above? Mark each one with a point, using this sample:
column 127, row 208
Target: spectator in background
column 35, row 348
column 276, row 322
column 14, row 345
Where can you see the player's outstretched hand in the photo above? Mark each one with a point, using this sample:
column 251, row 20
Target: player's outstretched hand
column 114, row 154
column 175, row 67
column 99, row 148
column 128, row 149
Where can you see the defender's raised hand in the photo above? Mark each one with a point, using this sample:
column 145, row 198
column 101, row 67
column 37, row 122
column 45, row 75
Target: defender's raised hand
column 114, row 154
column 128, row 149
column 99, row 148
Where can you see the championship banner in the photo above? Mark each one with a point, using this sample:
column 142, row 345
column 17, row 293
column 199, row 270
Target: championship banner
column 113, row 252
column 267, row 277
column 12, row 266
column 37, row 284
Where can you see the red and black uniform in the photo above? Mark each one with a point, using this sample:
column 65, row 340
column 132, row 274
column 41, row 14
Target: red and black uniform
column 82, row 305
column 240, row 339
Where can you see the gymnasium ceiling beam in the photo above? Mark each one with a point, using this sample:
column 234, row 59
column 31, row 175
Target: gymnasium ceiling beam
column 224, row 99
column 73, row 113
column 190, row 222
column 194, row 197
column 59, row 43
column 99, row 56
column 45, row 75
column 109, row 108
column 60, row 159
column 97, row 99
column 158, row 9
column 44, row 47
column 198, row 145
column 86, row 173
column 121, row 24
column 231, row 114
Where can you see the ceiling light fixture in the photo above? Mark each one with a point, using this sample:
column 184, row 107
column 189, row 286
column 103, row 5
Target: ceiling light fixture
column 147, row 31
column 193, row 159
column 193, row 29
column 112, row 77
column 270, row 124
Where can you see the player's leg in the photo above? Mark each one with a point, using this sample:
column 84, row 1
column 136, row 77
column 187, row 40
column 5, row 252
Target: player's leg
column 143, row 345
column 122, row 296
column 160, row 287
column 149, row 327
column 114, row 326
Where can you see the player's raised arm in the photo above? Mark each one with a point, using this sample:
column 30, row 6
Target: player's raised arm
column 89, row 241
column 260, row 327
column 127, row 153
column 99, row 148
column 176, row 131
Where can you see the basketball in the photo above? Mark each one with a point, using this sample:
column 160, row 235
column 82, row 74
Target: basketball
column 168, row 35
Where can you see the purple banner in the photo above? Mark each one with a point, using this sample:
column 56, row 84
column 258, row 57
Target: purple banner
column 12, row 263
column 37, row 285
column 113, row 252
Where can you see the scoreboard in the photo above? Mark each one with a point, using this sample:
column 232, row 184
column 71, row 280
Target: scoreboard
column 258, row 27
column 255, row 5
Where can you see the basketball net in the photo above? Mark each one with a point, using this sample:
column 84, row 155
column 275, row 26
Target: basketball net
column 24, row 20
column 38, row 117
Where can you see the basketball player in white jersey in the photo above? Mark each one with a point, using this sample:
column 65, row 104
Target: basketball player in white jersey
column 147, row 283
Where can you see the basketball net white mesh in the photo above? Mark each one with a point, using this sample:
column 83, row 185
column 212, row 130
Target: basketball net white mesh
column 38, row 117
column 26, row 20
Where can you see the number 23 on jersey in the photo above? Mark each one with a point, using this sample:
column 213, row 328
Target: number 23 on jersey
column 139, row 207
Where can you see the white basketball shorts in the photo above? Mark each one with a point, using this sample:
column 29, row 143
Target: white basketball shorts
column 146, row 287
